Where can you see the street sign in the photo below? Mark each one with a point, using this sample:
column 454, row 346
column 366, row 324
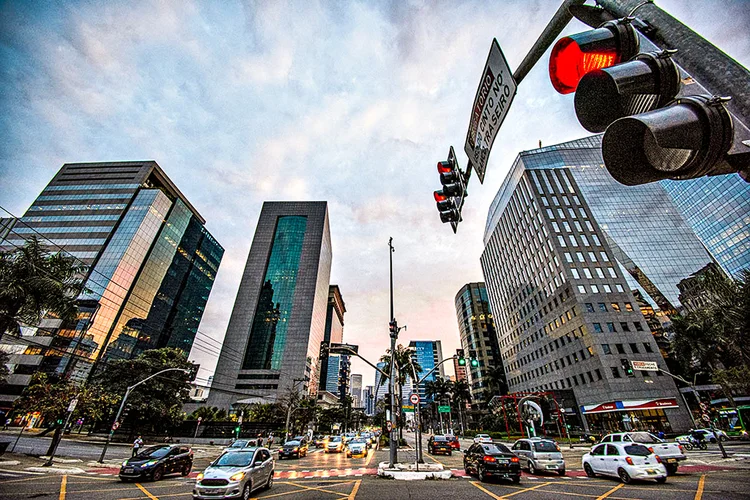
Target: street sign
column 444, row 409
column 414, row 399
column 335, row 348
column 389, row 426
column 72, row 405
column 492, row 102
column 408, row 408
column 646, row 366
column 115, row 426
column 706, row 418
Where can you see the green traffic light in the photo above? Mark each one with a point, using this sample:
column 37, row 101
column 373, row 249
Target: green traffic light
column 474, row 363
column 461, row 361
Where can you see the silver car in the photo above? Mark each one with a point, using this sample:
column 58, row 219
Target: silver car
column 539, row 455
column 236, row 474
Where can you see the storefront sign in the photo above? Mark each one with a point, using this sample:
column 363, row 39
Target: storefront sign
column 647, row 404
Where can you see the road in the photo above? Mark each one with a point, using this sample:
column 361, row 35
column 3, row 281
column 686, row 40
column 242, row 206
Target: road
column 705, row 475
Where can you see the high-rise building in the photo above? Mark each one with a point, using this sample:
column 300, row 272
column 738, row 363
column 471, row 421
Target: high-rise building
column 559, row 234
column 151, row 266
column 356, row 390
column 718, row 210
column 279, row 316
column 428, row 353
column 477, row 330
column 334, row 332
column 381, row 386
column 459, row 370
column 368, row 396
column 333, row 365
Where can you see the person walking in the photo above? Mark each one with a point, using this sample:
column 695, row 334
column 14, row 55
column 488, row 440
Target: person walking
column 137, row 445
column 260, row 440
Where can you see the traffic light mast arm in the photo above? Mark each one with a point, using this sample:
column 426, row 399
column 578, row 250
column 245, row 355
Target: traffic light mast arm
column 350, row 352
column 435, row 368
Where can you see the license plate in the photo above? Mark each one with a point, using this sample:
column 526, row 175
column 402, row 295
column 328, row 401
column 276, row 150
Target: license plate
column 671, row 460
column 552, row 466
column 129, row 470
column 503, row 461
column 650, row 471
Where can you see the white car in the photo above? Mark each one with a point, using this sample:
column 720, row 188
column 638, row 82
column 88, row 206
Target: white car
column 628, row 461
column 482, row 438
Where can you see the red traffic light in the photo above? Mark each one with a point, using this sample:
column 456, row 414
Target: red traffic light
column 439, row 196
column 574, row 56
column 445, row 166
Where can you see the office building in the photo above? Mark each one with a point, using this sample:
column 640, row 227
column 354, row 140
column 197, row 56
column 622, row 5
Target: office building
column 428, row 353
column 279, row 317
column 150, row 261
column 356, row 390
column 368, row 396
column 334, row 333
column 559, row 234
column 718, row 210
column 477, row 331
column 381, row 385
column 459, row 370
column 333, row 365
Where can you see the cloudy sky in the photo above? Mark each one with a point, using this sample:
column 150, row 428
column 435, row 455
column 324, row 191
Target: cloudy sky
column 349, row 102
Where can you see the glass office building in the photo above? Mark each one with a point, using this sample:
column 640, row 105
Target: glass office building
column 563, row 244
column 151, row 266
column 334, row 333
column 428, row 353
column 718, row 210
column 477, row 330
column 279, row 317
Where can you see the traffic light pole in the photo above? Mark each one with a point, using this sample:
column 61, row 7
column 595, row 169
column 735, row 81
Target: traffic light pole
column 393, row 439
column 122, row 405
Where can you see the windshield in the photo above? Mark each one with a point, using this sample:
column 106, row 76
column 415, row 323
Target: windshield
column 336, row 439
column 236, row 459
column 239, row 444
column 155, row 451
column 291, row 443
column 440, row 438
column 546, row 446
column 637, row 450
column 483, row 435
column 494, row 449
column 644, row 437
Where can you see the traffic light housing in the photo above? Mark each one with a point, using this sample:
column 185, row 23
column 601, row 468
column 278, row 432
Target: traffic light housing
column 393, row 327
column 450, row 199
column 461, row 357
column 473, row 359
column 323, row 350
column 192, row 372
column 627, row 367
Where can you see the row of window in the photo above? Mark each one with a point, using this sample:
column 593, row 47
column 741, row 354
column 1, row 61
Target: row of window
column 602, row 307
column 572, row 381
column 75, row 187
column 68, row 218
column 557, row 343
column 589, row 275
column 591, row 255
column 85, row 196
column 621, row 348
column 73, row 206
column 574, row 242
column 60, row 229
column 624, row 326
column 606, row 288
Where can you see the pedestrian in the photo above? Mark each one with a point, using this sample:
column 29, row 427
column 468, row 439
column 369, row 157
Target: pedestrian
column 7, row 423
column 260, row 440
column 137, row 445
column 270, row 440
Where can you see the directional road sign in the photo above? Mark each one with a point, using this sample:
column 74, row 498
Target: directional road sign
column 492, row 102
column 646, row 366
column 444, row 409
column 414, row 399
column 407, row 408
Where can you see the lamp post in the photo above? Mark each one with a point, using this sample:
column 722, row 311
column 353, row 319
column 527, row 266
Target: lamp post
column 393, row 456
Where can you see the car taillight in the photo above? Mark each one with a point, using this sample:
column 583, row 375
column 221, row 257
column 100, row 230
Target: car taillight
column 514, row 459
column 681, row 449
column 488, row 458
column 658, row 459
column 651, row 449
column 629, row 460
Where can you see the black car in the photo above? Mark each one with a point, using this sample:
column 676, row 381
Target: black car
column 155, row 461
column 492, row 460
column 293, row 449
column 439, row 444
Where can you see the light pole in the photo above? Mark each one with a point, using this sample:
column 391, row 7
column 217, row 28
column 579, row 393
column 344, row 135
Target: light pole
column 122, row 405
column 393, row 327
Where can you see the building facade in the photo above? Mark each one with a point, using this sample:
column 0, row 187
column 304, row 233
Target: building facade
column 559, row 234
column 279, row 316
column 428, row 353
column 381, row 384
column 459, row 370
column 356, row 390
column 368, row 397
column 718, row 210
column 334, row 333
column 150, row 263
column 477, row 331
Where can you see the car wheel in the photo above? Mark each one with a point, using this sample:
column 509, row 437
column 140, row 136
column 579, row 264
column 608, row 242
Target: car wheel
column 247, row 491
column 516, row 479
column 270, row 481
column 186, row 470
column 158, row 474
column 588, row 470
column 624, row 476
column 661, row 480
column 561, row 472
column 450, row 453
column 480, row 474
column 124, row 479
column 671, row 469
column 722, row 438
column 532, row 469
column 466, row 468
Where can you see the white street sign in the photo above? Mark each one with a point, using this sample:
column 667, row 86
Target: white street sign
column 72, row 405
column 492, row 102
column 414, row 399
column 647, row 366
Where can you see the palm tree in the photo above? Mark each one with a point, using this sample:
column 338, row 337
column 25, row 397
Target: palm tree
column 35, row 282
column 406, row 366
column 462, row 395
column 495, row 376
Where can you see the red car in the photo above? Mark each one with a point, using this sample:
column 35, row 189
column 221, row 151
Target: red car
column 453, row 441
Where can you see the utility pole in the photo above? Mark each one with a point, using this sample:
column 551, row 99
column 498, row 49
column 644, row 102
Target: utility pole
column 393, row 446
column 292, row 400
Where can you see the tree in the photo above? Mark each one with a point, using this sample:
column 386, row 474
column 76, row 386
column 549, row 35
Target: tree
column 208, row 414
column 3, row 369
column 35, row 282
column 406, row 366
column 462, row 395
column 495, row 376
column 156, row 405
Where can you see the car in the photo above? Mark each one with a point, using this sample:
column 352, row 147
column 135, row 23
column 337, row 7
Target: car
column 335, row 445
column 539, row 455
column 710, row 436
column 453, row 441
column 293, row 448
column 349, row 436
column 439, row 444
column 239, row 444
column 356, row 448
column 626, row 460
column 482, row 438
column 670, row 453
column 488, row 460
column 320, row 441
column 236, row 474
column 156, row 461
column 369, row 437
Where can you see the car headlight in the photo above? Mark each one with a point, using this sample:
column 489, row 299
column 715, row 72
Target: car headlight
column 124, row 463
column 150, row 463
column 199, row 476
column 237, row 477
column 296, row 449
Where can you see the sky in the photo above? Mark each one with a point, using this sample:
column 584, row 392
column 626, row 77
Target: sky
column 348, row 102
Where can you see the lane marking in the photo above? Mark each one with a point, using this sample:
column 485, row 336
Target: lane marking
column 63, row 486
column 148, row 494
column 353, row 494
column 486, row 490
column 610, row 491
column 701, row 482
column 526, row 489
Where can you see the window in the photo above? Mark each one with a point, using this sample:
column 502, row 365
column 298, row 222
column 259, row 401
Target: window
column 592, row 256
column 612, row 273
column 598, row 327
column 647, row 346
column 594, row 289
column 607, row 288
column 589, row 307
column 580, row 257
column 611, row 327
column 615, row 306
column 573, row 241
column 581, row 289
column 585, row 240
column 591, row 377
column 567, row 227
column 596, row 240
column 628, row 306
column 624, row 326
column 556, row 227
column 568, row 257
column 587, row 273
column 590, row 350
column 615, row 372
column 602, row 306
column 561, row 241
column 620, row 348
column 634, row 348
column 598, row 374
column 574, row 271
column 604, row 256
column 606, row 349
column 619, row 287
column 599, row 272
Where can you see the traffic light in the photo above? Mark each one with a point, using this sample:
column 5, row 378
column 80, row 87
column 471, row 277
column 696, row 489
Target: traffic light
column 450, row 199
column 323, row 350
column 461, row 357
column 473, row 359
column 125, row 411
column 627, row 367
column 192, row 372
column 653, row 129
column 393, row 327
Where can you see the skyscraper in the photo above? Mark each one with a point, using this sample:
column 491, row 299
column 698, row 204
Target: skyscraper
column 151, row 266
column 459, row 370
column 368, row 397
column 559, row 234
column 279, row 317
column 381, row 386
column 334, row 332
column 356, row 390
column 428, row 353
column 477, row 330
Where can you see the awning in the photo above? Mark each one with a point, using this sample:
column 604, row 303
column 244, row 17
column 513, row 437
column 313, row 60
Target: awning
column 642, row 404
